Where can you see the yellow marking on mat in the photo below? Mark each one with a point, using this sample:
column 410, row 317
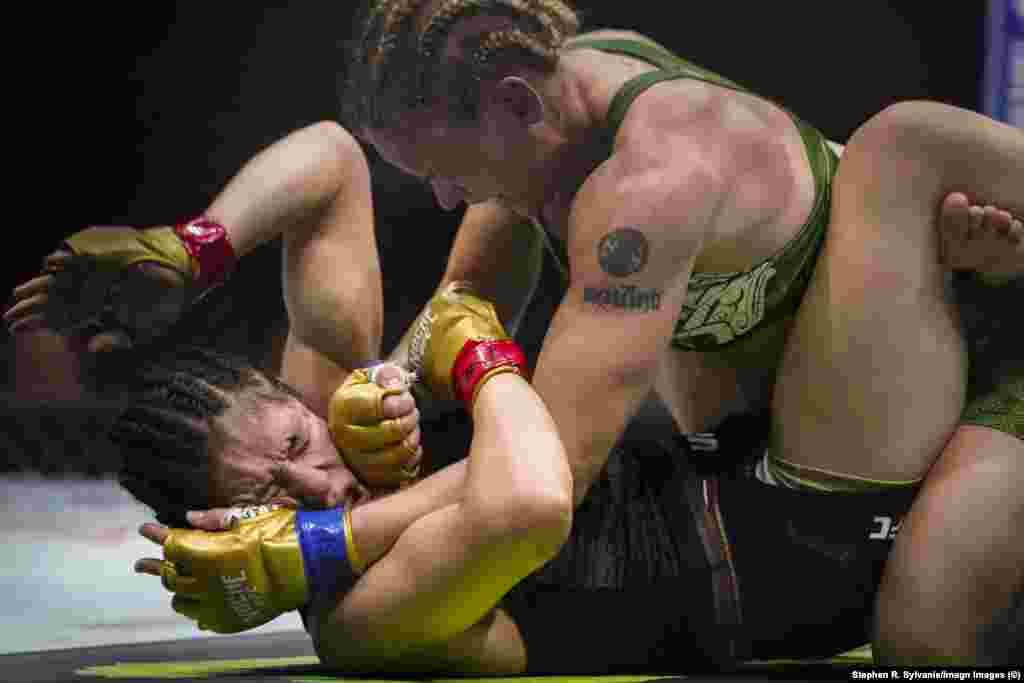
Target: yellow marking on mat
column 201, row 669
column 207, row 668
column 204, row 669
column 858, row 657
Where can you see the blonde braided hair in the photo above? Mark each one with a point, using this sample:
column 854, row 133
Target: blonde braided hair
column 396, row 67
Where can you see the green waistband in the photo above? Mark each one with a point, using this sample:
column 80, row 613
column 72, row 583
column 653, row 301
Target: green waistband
column 792, row 475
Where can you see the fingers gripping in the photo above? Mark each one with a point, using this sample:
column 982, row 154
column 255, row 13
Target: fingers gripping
column 373, row 420
column 359, row 423
column 84, row 285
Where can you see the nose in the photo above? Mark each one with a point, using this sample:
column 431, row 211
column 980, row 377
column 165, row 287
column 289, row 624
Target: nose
column 448, row 193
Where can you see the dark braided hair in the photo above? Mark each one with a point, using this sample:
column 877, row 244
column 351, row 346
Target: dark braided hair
column 162, row 435
column 394, row 68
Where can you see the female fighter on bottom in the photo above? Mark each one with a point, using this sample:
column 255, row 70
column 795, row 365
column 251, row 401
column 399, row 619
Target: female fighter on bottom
column 433, row 578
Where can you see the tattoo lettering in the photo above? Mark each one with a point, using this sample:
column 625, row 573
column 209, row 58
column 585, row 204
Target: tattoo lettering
column 626, row 297
column 623, row 252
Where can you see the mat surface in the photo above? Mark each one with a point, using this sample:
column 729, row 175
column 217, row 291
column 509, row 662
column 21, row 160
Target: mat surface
column 71, row 610
column 66, row 578
column 289, row 658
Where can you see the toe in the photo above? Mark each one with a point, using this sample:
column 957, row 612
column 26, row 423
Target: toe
column 1016, row 232
column 1001, row 222
column 954, row 220
column 975, row 219
column 989, row 219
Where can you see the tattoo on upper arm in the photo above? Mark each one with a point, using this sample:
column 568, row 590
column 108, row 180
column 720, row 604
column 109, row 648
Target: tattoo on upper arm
column 623, row 252
column 625, row 297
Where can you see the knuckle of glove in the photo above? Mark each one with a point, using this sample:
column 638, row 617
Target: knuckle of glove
column 387, row 467
column 356, row 418
column 458, row 316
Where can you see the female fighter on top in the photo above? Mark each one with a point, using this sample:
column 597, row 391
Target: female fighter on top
column 695, row 216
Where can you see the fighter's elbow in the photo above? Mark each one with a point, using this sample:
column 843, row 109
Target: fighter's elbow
column 537, row 524
column 336, row 140
column 342, row 153
column 334, row 159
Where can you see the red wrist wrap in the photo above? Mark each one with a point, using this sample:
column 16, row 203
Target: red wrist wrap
column 477, row 358
column 206, row 241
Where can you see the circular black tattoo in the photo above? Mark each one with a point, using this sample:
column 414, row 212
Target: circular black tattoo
column 622, row 252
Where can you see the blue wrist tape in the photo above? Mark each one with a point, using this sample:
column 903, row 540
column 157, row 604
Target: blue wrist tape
column 324, row 547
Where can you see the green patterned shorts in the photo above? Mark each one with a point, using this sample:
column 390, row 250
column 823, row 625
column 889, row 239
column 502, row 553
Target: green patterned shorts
column 995, row 341
column 1000, row 405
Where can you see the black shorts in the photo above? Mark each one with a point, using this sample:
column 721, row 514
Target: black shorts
column 634, row 589
column 808, row 563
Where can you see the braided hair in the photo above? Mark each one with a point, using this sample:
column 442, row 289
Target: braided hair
column 162, row 434
column 397, row 67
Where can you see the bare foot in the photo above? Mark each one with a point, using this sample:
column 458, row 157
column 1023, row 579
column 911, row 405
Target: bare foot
column 986, row 240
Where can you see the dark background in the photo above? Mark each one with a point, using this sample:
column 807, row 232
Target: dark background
column 139, row 115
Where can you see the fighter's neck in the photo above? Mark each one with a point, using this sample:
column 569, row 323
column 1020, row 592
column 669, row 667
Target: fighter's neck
column 580, row 143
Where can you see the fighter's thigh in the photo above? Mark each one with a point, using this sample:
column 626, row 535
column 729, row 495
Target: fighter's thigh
column 957, row 559
column 872, row 378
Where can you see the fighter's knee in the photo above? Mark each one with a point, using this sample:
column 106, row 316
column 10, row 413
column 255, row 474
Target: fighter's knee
column 917, row 131
column 890, row 132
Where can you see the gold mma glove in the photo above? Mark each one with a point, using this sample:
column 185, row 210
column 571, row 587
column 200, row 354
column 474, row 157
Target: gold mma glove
column 372, row 446
column 459, row 343
column 198, row 250
column 272, row 561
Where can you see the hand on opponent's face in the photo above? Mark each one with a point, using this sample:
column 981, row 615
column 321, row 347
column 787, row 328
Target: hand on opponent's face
column 268, row 460
column 375, row 425
column 105, row 307
column 241, row 567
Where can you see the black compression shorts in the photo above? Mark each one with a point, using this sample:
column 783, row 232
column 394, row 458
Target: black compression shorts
column 632, row 589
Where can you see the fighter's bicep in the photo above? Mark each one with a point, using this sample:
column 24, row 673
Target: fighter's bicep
column 635, row 236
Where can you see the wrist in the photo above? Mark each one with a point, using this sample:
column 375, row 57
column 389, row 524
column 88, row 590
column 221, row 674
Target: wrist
column 330, row 559
column 213, row 257
column 478, row 361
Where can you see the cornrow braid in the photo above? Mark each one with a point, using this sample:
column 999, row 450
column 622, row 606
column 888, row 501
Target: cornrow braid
column 376, row 35
column 395, row 71
column 163, row 436
column 503, row 47
column 450, row 12
column 567, row 19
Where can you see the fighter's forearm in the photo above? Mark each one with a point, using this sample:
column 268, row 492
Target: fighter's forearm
column 450, row 567
column 501, row 254
column 594, row 427
column 312, row 189
column 376, row 525
column 282, row 187
column 331, row 269
column 532, row 469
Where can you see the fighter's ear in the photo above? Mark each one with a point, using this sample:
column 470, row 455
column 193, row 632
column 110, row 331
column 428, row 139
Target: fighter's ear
column 514, row 96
